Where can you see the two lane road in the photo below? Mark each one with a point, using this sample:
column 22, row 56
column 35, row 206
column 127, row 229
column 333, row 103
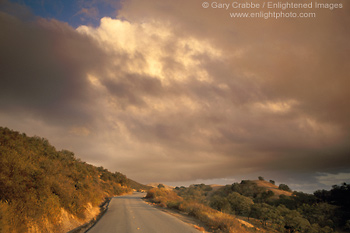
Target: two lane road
column 130, row 214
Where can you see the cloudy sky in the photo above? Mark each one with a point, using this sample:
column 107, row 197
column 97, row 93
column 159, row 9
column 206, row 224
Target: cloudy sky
column 168, row 91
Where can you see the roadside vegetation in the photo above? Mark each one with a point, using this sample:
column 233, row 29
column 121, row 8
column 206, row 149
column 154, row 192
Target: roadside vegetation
column 215, row 220
column 262, row 206
column 45, row 190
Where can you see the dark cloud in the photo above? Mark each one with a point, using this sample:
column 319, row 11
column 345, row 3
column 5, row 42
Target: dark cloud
column 44, row 67
column 130, row 89
column 18, row 10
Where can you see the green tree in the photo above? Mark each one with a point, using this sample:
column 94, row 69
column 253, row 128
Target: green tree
column 220, row 203
column 295, row 222
column 323, row 214
column 264, row 196
column 284, row 187
column 240, row 205
column 263, row 211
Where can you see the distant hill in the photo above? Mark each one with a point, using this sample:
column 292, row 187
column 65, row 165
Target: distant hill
column 155, row 185
column 257, row 190
column 137, row 186
column 274, row 188
column 264, row 206
column 45, row 190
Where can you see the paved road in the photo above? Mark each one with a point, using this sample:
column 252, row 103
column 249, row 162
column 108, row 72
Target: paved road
column 130, row 214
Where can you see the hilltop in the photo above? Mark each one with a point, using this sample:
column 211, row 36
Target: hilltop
column 156, row 185
column 45, row 190
column 268, row 186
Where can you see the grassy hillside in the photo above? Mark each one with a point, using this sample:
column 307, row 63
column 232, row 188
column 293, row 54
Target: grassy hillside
column 45, row 190
column 268, row 186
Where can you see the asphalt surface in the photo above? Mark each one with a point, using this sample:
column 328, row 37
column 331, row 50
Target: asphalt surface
column 130, row 214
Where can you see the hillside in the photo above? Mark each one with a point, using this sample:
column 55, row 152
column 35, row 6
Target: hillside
column 45, row 190
column 261, row 206
column 271, row 187
column 137, row 186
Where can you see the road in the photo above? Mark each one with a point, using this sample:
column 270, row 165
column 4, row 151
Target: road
column 130, row 214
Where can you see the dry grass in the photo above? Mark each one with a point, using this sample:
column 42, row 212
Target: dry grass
column 274, row 188
column 215, row 220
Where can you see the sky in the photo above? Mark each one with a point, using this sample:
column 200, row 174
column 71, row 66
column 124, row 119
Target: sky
column 180, row 93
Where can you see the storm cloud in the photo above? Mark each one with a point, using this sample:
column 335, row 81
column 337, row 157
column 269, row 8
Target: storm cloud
column 169, row 89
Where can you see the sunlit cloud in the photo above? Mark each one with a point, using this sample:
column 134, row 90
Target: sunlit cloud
column 277, row 107
column 80, row 131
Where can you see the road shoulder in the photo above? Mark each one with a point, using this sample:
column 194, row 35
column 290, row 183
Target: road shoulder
column 195, row 223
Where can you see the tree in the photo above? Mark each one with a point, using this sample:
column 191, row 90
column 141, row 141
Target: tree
column 272, row 182
column 323, row 214
column 266, row 195
column 347, row 225
column 161, row 186
column 241, row 205
column 303, row 198
column 246, row 188
column 340, row 195
column 220, row 203
column 263, row 211
column 284, row 187
column 261, row 178
column 295, row 222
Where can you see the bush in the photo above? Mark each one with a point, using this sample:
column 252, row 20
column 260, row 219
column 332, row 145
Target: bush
column 174, row 204
column 166, row 198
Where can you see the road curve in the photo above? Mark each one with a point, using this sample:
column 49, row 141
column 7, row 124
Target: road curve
column 130, row 214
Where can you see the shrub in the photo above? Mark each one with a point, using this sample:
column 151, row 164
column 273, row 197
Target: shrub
column 166, row 198
column 150, row 193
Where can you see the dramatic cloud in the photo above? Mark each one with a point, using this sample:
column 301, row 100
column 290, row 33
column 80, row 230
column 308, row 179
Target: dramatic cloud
column 169, row 91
